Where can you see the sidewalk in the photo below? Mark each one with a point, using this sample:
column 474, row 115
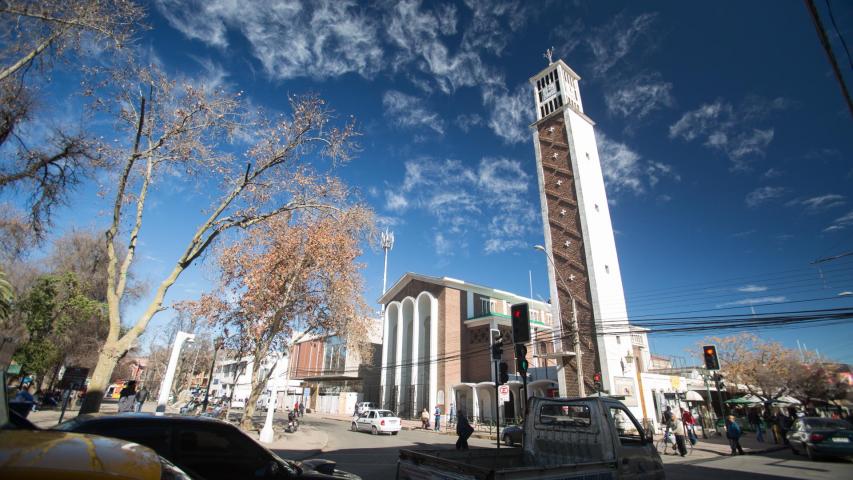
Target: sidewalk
column 719, row 445
column 49, row 418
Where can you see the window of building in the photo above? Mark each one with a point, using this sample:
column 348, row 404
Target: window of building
column 618, row 340
column 607, row 268
column 334, row 361
column 485, row 306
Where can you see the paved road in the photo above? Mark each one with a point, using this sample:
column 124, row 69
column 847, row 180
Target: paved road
column 375, row 457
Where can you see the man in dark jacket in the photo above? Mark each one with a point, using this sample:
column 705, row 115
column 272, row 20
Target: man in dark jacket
column 464, row 430
column 141, row 397
column 733, row 433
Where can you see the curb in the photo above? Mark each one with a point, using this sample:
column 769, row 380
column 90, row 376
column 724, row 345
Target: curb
column 748, row 452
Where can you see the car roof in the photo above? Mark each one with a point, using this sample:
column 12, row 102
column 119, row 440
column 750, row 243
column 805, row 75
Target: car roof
column 147, row 417
column 50, row 454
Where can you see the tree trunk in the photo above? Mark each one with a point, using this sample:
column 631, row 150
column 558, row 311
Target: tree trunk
column 107, row 360
column 257, row 387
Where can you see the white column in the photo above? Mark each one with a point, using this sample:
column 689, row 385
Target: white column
column 433, row 354
column 385, row 345
column 398, row 371
column 415, row 348
column 166, row 385
column 476, row 403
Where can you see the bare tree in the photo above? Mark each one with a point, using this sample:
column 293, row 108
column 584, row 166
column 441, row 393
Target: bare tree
column 766, row 369
column 173, row 127
column 33, row 37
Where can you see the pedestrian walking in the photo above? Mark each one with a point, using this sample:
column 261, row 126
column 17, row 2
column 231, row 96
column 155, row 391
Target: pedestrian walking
column 464, row 430
column 677, row 427
column 452, row 415
column 141, row 397
column 425, row 418
column 689, row 425
column 127, row 398
column 755, row 422
column 784, row 424
column 437, row 418
column 301, row 409
column 733, row 433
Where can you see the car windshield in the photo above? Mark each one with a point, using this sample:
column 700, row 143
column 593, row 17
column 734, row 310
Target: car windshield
column 828, row 423
column 385, row 413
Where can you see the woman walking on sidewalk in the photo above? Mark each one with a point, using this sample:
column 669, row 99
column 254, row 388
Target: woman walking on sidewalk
column 425, row 419
column 464, row 430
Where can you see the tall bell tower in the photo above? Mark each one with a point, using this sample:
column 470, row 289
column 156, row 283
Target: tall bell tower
column 583, row 265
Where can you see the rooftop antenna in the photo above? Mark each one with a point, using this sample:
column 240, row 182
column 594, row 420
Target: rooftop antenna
column 386, row 239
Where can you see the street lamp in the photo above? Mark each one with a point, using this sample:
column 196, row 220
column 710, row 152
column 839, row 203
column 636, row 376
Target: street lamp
column 576, row 336
column 268, row 433
column 166, row 384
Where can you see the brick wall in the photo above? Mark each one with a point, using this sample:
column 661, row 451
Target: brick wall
column 564, row 223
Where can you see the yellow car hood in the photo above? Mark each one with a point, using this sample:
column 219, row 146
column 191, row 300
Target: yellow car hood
column 26, row 454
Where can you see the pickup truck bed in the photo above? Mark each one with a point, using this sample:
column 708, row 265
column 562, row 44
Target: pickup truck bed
column 487, row 464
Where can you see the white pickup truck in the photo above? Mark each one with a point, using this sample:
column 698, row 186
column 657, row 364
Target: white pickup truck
column 593, row 437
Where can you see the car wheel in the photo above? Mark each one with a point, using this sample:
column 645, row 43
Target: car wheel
column 811, row 453
column 394, row 433
column 507, row 441
column 373, row 430
column 794, row 450
column 353, row 427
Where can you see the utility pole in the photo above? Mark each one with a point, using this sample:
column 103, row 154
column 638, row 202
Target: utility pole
column 386, row 239
column 166, row 385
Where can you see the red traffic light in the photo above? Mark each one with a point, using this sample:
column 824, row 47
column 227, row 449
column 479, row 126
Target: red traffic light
column 597, row 377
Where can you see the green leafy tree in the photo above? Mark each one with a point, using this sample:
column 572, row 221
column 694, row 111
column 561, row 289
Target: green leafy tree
column 53, row 311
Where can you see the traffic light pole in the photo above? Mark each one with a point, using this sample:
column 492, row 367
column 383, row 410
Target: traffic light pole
column 497, row 412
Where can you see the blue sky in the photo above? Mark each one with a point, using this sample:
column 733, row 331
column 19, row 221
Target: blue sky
column 725, row 142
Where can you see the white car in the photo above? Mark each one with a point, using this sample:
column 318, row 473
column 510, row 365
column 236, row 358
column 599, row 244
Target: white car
column 376, row 422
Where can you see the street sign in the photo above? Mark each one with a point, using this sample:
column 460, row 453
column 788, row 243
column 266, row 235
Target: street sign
column 74, row 378
column 503, row 393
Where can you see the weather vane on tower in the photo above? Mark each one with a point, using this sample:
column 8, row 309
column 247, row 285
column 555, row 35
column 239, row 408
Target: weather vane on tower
column 549, row 55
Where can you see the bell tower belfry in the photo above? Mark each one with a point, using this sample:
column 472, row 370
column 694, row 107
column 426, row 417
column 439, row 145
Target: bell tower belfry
column 583, row 267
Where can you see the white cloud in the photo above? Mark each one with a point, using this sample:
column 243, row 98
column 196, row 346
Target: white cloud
column 491, row 21
column 613, row 41
column 322, row 38
column 820, row 203
column 510, row 114
column 771, row 173
column 467, row 121
column 763, row 195
column 395, row 201
column 639, row 96
column 624, row 169
column 459, row 197
column 841, row 222
column 410, row 111
column 730, row 130
column 443, row 246
column 753, row 301
column 752, row 288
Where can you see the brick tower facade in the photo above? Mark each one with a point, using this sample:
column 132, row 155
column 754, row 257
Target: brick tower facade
column 579, row 241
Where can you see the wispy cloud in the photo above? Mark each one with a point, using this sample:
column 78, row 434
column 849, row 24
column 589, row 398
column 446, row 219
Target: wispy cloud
column 321, row 39
column 639, row 96
column 841, row 223
column 743, row 234
column 410, row 111
column 509, row 113
column 625, row 171
column 762, row 195
column 468, row 202
column 613, row 41
column 730, row 130
column 820, row 203
column 467, row 121
column 752, row 288
column 754, row 301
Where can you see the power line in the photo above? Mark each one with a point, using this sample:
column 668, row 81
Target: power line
column 838, row 33
column 827, row 47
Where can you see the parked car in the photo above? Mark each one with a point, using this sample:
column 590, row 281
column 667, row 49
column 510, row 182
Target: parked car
column 376, row 422
column 817, row 437
column 362, row 407
column 28, row 452
column 212, row 448
column 512, row 435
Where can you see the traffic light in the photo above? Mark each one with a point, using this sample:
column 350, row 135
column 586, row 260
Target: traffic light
column 709, row 352
column 596, row 378
column 503, row 377
column 497, row 345
column 521, row 359
column 520, row 323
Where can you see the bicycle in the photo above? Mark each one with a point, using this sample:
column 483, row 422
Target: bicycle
column 667, row 446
